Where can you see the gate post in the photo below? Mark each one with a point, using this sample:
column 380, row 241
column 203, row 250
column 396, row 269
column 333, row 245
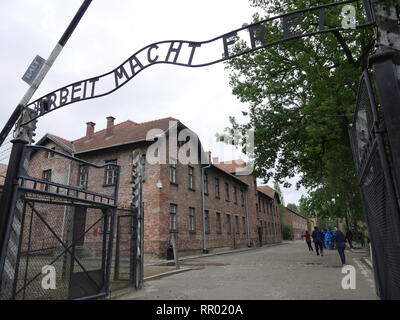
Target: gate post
column 7, row 204
column 389, row 97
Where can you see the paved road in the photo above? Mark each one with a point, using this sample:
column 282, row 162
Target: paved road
column 286, row 271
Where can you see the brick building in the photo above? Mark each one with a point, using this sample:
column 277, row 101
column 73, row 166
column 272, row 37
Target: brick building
column 235, row 212
column 297, row 222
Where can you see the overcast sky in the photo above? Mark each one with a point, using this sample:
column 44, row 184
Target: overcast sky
column 109, row 33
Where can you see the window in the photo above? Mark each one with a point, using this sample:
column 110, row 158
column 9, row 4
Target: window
column 218, row 222
column 111, row 173
column 263, row 202
column 226, row 191
column 191, row 183
column 191, row 220
column 235, row 194
column 207, row 218
column 83, row 176
column 242, row 196
column 244, row 224
column 172, row 171
column 228, row 224
column 173, row 208
column 205, row 183
column 237, row 224
column 50, row 154
column 217, row 188
column 46, row 175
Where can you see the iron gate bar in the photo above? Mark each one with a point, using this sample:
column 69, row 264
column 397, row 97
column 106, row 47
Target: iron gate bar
column 66, row 250
column 19, row 250
column 389, row 97
column 68, row 188
column 40, row 111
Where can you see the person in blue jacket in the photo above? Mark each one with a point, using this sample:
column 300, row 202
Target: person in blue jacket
column 340, row 243
column 328, row 239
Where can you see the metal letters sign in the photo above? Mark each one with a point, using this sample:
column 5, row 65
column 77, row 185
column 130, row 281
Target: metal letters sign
column 294, row 25
column 33, row 70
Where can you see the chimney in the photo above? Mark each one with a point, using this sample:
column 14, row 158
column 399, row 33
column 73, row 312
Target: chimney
column 110, row 126
column 90, row 129
column 215, row 160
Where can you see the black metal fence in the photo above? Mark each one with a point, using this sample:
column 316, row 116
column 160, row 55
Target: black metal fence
column 375, row 171
column 60, row 228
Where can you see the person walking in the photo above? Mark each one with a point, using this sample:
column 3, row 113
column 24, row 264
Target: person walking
column 340, row 243
column 307, row 236
column 328, row 239
column 361, row 238
column 317, row 237
column 349, row 237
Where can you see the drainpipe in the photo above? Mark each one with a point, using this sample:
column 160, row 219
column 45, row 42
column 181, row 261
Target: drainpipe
column 203, row 207
column 247, row 218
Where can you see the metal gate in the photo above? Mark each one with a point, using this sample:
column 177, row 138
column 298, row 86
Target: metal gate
column 60, row 228
column 128, row 266
column 375, row 167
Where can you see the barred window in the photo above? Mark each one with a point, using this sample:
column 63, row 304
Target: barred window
column 191, row 220
column 191, row 181
column 228, row 224
column 242, row 196
column 244, row 224
column 172, row 171
column 216, row 187
column 237, row 224
column 205, row 183
column 207, row 218
column 235, row 194
column 173, row 208
column 50, row 154
column 46, row 175
column 218, row 222
column 111, row 173
column 83, row 176
column 226, row 191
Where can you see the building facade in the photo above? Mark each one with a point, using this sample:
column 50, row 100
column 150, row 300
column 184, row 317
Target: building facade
column 297, row 223
column 231, row 212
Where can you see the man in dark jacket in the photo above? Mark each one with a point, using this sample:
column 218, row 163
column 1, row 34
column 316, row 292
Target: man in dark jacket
column 349, row 237
column 340, row 243
column 317, row 237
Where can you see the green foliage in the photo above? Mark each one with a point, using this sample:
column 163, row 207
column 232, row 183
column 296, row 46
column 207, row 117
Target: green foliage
column 302, row 97
column 286, row 232
column 293, row 206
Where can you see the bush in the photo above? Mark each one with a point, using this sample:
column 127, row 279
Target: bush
column 286, row 232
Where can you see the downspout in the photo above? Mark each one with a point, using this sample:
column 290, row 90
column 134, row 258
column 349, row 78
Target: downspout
column 247, row 218
column 203, row 207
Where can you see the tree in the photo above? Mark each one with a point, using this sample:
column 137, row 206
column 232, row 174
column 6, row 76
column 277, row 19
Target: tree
column 302, row 96
column 293, row 206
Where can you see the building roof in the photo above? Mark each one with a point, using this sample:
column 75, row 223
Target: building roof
column 269, row 192
column 296, row 213
column 229, row 174
column 234, row 166
column 123, row 133
column 3, row 172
